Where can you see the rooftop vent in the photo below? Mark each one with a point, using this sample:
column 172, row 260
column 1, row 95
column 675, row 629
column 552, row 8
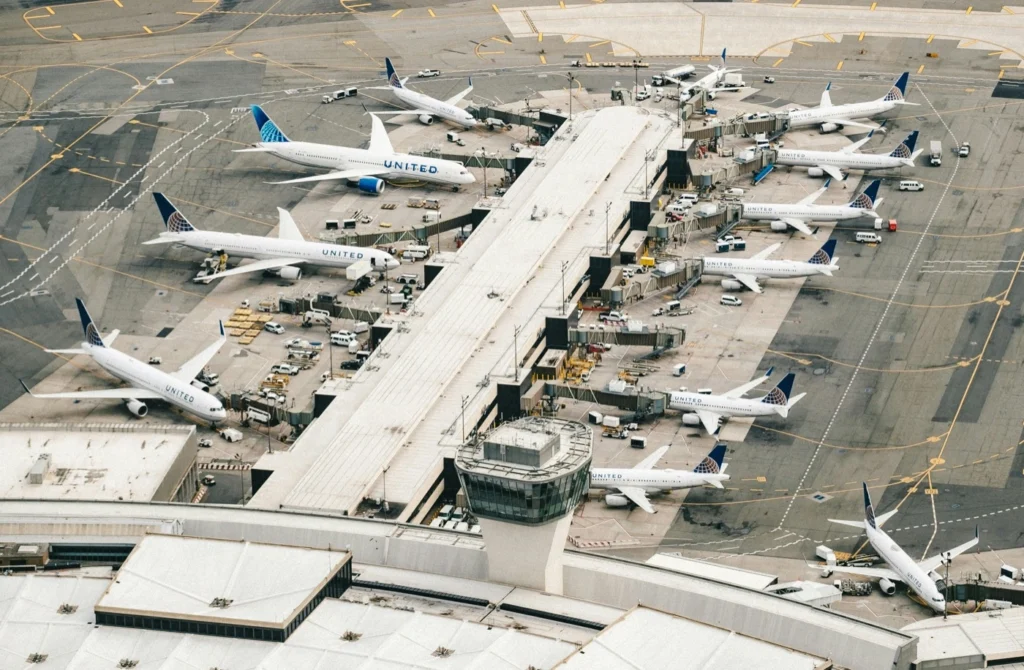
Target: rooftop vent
column 221, row 603
column 39, row 469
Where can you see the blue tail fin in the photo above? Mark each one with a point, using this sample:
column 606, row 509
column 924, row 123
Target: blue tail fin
column 824, row 255
column 899, row 89
column 92, row 333
column 780, row 394
column 906, row 147
column 866, row 198
column 723, row 58
column 393, row 79
column 174, row 221
column 869, row 509
column 712, row 463
column 269, row 132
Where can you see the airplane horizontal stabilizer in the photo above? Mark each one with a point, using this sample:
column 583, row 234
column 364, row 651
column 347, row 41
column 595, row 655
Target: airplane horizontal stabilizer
column 852, row 524
column 69, row 352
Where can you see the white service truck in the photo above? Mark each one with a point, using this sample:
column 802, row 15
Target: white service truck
column 349, row 92
column 935, row 155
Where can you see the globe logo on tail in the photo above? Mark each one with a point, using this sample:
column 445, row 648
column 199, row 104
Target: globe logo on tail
column 893, row 94
column 92, row 336
column 862, row 201
column 902, row 151
column 775, row 397
column 394, row 80
column 270, row 133
column 176, row 223
column 707, row 467
column 820, row 258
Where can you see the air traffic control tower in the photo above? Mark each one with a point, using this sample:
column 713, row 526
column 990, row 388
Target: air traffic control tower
column 523, row 480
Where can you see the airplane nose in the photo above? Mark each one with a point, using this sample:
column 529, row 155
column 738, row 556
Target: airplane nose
column 393, row 264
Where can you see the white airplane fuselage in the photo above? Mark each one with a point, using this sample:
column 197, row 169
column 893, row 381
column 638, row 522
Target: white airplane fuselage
column 839, row 159
column 721, row 405
column 399, row 166
column 857, row 110
column 438, row 108
column 175, row 391
column 768, row 269
column 707, row 82
column 755, row 211
column 252, row 246
column 911, row 574
column 651, row 481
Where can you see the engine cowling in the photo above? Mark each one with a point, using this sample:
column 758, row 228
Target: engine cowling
column 616, row 500
column 426, row 119
column 815, row 172
column 371, row 185
column 137, row 407
column 887, row 587
column 289, row 273
column 731, row 285
column 829, row 127
column 201, row 386
column 779, row 226
column 691, row 420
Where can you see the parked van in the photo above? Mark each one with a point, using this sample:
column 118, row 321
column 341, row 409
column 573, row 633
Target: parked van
column 343, row 338
column 415, row 252
column 687, row 197
column 869, row 238
column 731, row 301
column 910, row 185
column 678, row 208
column 408, row 279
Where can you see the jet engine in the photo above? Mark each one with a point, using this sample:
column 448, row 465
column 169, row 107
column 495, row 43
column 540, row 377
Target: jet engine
column 201, row 386
column 888, row 588
column 731, row 285
column 815, row 172
column 829, row 127
column 137, row 407
column 779, row 226
column 289, row 273
column 426, row 119
column 616, row 500
column 371, row 185
column 691, row 420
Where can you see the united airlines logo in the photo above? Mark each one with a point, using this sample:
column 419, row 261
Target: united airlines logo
column 341, row 253
column 902, row 151
column 869, row 514
column 92, row 336
column 862, row 201
column 270, row 133
column 775, row 397
column 819, row 258
column 707, row 467
column 893, row 94
column 409, row 166
column 394, row 80
column 176, row 223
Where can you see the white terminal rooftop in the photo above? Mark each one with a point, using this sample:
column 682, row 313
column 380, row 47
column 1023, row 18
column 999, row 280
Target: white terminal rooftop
column 182, row 577
column 90, row 461
column 407, row 401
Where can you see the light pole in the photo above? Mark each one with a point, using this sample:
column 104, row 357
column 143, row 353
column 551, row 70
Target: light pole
column 607, row 210
column 571, row 78
column 636, row 78
column 515, row 351
column 565, row 264
column 945, row 587
column 438, row 223
column 384, row 500
column 465, row 401
column 647, row 180
column 483, row 161
column 330, row 348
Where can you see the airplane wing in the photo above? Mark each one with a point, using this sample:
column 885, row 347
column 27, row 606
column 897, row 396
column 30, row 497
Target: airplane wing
column 877, row 573
column 740, row 391
column 935, row 561
column 765, row 253
column 813, row 197
column 457, row 98
column 832, row 171
column 379, row 141
column 258, row 266
column 288, row 230
column 340, row 174
column 128, row 393
column 403, row 112
column 651, row 460
column 637, row 496
column 710, row 420
column 194, row 366
column 798, row 224
column 852, row 148
column 749, row 281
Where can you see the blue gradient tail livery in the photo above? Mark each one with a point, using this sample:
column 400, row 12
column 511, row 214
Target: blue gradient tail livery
column 906, row 147
column 174, row 221
column 712, row 463
column 899, row 90
column 269, row 132
column 866, row 198
column 824, row 255
column 92, row 333
column 393, row 80
column 780, row 394
column 869, row 509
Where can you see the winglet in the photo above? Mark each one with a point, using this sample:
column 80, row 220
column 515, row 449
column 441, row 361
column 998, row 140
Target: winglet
column 869, row 509
column 393, row 80
column 827, row 182
column 92, row 333
column 174, row 221
column 769, row 371
column 25, row 386
column 221, row 324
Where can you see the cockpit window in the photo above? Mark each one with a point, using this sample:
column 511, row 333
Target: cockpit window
column 938, row 600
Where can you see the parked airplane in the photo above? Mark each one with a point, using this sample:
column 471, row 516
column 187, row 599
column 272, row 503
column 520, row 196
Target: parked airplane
column 918, row 576
column 709, row 409
column 831, row 117
column 798, row 215
column 633, row 484
column 147, row 382
column 744, row 272
column 709, row 82
column 674, row 76
column 277, row 254
column 368, row 168
column 832, row 163
column 425, row 107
